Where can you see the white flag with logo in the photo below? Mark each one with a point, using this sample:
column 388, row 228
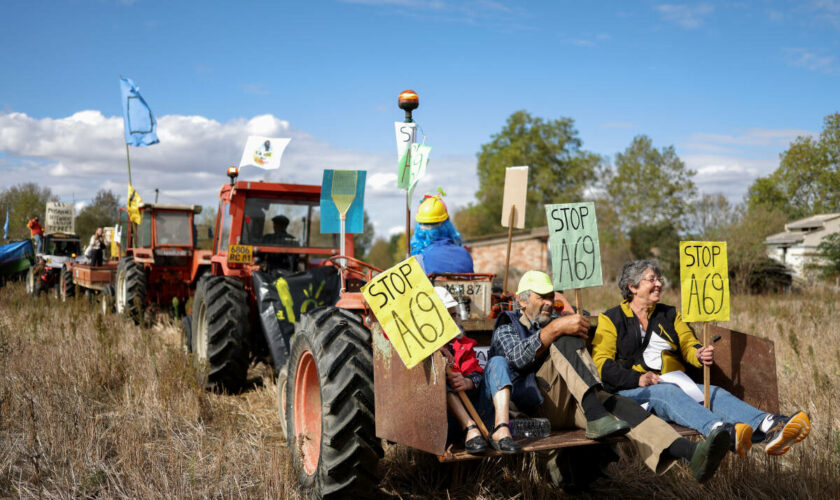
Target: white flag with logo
column 263, row 152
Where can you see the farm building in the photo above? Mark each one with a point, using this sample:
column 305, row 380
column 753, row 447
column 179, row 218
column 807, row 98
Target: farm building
column 528, row 250
column 797, row 245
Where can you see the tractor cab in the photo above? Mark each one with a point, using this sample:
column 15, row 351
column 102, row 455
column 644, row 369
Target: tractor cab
column 61, row 247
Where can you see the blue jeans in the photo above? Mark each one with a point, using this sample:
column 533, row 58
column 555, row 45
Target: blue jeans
column 496, row 378
column 39, row 243
column 669, row 402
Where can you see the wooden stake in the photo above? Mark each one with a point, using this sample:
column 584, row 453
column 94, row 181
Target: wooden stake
column 577, row 301
column 510, row 237
column 407, row 225
column 471, row 410
column 706, row 369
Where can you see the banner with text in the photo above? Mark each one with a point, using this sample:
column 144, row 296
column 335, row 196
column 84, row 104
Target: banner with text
column 60, row 217
column 704, row 280
column 575, row 250
column 414, row 318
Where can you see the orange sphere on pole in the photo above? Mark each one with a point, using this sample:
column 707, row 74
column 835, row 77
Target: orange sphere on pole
column 408, row 101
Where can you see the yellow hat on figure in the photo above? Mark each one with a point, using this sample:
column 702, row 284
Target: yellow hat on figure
column 432, row 210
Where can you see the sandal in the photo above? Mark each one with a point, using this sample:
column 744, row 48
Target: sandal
column 476, row 445
column 505, row 445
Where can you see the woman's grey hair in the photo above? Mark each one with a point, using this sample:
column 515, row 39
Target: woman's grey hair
column 631, row 275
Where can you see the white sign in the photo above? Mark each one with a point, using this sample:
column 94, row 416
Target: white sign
column 61, row 217
column 263, row 152
column 406, row 134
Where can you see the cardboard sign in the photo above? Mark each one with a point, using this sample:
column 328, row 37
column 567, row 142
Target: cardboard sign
column 60, row 217
column 240, row 254
column 405, row 133
column 575, row 249
column 516, row 192
column 412, row 315
column 704, row 280
column 330, row 215
column 413, row 167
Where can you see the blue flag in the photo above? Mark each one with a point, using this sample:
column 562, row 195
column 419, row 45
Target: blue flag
column 6, row 226
column 139, row 123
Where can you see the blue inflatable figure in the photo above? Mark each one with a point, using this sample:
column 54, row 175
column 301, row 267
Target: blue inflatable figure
column 435, row 241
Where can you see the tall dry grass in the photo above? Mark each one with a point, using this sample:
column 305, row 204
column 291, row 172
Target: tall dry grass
column 94, row 406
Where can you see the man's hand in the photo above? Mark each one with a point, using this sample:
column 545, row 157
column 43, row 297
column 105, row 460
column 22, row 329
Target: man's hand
column 706, row 355
column 458, row 382
column 573, row 324
column 649, row 378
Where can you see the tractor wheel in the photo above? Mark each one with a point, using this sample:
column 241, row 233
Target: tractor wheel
column 66, row 288
column 131, row 289
column 329, row 405
column 33, row 282
column 219, row 329
column 282, row 377
column 107, row 300
column 186, row 334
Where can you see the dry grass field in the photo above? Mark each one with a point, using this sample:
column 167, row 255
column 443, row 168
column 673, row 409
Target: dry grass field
column 94, row 406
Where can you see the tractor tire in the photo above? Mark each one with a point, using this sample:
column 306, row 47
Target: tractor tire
column 131, row 289
column 66, row 288
column 220, row 330
column 34, row 285
column 282, row 386
column 186, row 335
column 107, row 300
column 330, row 405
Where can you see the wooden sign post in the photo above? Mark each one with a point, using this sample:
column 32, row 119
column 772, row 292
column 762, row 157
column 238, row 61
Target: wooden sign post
column 575, row 248
column 513, row 207
column 704, row 286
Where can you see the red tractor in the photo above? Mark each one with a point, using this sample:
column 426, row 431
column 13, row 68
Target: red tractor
column 277, row 291
column 159, row 262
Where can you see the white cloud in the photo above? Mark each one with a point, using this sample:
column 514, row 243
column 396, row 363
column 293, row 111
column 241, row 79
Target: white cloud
column 77, row 155
column 686, row 16
column 803, row 58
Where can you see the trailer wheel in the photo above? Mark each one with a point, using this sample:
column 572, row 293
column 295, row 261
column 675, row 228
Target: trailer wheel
column 219, row 330
column 66, row 288
column 131, row 289
column 107, row 299
column 330, row 406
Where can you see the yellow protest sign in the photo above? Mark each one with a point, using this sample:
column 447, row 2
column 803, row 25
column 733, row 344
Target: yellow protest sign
column 704, row 278
column 412, row 315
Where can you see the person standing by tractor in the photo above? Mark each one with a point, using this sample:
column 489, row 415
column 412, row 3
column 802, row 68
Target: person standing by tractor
column 96, row 249
column 436, row 242
column 37, row 233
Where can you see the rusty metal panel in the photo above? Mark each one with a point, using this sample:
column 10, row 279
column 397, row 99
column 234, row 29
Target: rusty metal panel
column 410, row 404
column 745, row 365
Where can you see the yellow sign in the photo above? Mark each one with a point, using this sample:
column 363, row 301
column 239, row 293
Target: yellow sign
column 704, row 276
column 410, row 312
column 133, row 205
column 240, row 254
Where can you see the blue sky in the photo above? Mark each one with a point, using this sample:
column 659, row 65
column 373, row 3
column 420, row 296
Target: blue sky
column 729, row 84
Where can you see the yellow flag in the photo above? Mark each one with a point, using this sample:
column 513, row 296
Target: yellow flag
column 133, row 205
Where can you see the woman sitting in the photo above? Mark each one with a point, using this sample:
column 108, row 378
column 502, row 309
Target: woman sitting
column 641, row 339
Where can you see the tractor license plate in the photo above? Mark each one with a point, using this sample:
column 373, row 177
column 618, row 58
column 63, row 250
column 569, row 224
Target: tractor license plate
column 240, row 254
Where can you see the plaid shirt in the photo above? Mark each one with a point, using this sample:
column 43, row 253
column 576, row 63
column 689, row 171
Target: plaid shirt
column 520, row 353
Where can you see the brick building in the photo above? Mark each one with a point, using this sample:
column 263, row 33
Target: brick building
column 528, row 250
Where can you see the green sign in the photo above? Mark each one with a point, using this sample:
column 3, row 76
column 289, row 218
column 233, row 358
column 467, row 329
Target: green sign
column 575, row 251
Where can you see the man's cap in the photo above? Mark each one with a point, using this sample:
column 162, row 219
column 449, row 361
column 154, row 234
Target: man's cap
column 446, row 297
column 535, row 281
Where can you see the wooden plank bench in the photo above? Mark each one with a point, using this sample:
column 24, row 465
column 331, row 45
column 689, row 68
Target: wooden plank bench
column 410, row 405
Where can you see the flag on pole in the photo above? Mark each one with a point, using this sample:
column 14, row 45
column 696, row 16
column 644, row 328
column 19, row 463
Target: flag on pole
column 133, row 205
column 263, row 152
column 6, row 226
column 139, row 123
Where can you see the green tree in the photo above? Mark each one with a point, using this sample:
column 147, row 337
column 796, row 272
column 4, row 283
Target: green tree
column 362, row 241
column 807, row 180
column 650, row 186
column 24, row 201
column 829, row 250
column 101, row 212
column 659, row 240
column 708, row 217
column 559, row 170
column 380, row 254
